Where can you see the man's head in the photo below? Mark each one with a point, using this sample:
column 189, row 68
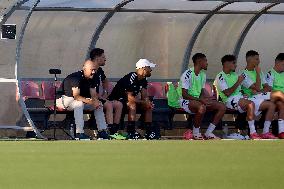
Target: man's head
column 90, row 68
column 98, row 55
column 279, row 62
column 229, row 62
column 144, row 67
column 200, row 60
column 252, row 58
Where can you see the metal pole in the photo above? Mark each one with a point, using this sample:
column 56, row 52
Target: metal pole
column 18, row 62
column 248, row 27
column 195, row 34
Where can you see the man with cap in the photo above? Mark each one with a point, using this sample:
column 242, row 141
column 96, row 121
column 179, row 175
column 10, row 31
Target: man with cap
column 126, row 91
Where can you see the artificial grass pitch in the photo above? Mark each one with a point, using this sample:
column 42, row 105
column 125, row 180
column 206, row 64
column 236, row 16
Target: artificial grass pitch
column 141, row 164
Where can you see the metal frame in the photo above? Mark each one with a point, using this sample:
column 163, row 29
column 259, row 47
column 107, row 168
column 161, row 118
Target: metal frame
column 248, row 27
column 118, row 8
column 18, row 62
column 10, row 11
column 67, row 9
column 196, row 33
column 102, row 24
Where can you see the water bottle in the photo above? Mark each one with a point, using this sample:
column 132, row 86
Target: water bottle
column 72, row 130
column 225, row 130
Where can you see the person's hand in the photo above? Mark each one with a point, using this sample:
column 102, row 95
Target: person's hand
column 96, row 103
column 104, row 96
column 148, row 104
column 266, row 89
column 258, row 69
column 241, row 78
column 254, row 92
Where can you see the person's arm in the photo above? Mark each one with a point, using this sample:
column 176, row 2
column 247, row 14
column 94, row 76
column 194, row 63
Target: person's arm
column 269, row 79
column 248, row 83
column 105, row 84
column 94, row 95
column 229, row 91
column 257, row 84
column 77, row 96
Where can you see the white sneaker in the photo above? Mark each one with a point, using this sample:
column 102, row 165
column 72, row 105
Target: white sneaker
column 236, row 136
column 198, row 136
column 211, row 136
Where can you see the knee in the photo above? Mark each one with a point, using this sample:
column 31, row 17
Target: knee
column 78, row 104
column 250, row 105
column 108, row 106
column 222, row 107
column 131, row 105
column 201, row 109
column 280, row 105
column 117, row 105
column 272, row 106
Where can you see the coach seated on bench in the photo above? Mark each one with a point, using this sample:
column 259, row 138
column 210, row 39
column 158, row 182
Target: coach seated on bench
column 79, row 93
column 126, row 90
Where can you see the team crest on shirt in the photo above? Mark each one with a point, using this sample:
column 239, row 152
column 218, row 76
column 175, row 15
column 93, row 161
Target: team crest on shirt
column 234, row 104
column 188, row 74
column 132, row 78
column 221, row 77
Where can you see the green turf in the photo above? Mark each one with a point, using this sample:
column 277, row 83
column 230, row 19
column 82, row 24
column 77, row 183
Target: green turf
column 141, row 164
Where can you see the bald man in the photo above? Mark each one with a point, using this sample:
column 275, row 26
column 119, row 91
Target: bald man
column 79, row 93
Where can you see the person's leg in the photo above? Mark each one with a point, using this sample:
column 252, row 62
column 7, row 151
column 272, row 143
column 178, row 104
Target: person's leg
column 117, row 107
column 100, row 119
column 108, row 107
column 101, row 123
column 280, row 108
column 199, row 110
column 131, row 106
column 277, row 96
column 152, row 131
column 220, row 110
column 269, row 108
column 249, row 107
column 78, row 107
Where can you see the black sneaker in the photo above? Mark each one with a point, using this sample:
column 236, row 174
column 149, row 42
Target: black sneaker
column 134, row 136
column 151, row 136
column 103, row 135
column 82, row 136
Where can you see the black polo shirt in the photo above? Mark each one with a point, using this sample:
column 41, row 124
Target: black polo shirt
column 77, row 79
column 100, row 75
column 129, row 83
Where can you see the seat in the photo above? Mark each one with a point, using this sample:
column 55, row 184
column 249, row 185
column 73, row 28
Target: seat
column 30, row 89
column 35, row 103
column 48, row 89
column 155, row 89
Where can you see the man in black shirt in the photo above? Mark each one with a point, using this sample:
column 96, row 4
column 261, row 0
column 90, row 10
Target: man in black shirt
column 113, row 109
column 126, row 91
column 79, row 90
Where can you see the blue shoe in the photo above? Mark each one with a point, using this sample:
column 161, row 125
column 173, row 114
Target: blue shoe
column 82, row 136
column 103, row 135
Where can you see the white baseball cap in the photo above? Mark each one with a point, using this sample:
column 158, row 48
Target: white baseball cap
column 144, row 63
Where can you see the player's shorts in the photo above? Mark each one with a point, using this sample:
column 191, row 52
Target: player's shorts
column 264, row 96
column 184, row 105
column 233, row 103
